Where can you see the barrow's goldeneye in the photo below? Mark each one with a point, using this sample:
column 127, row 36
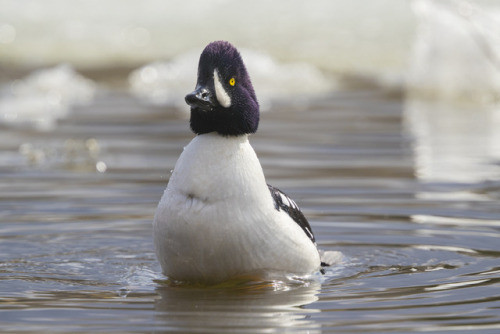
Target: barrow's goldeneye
column 218, row 218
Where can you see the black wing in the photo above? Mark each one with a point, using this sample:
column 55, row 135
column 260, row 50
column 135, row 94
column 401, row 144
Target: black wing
column 285, row 203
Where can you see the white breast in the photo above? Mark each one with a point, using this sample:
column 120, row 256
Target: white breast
column 216, row 219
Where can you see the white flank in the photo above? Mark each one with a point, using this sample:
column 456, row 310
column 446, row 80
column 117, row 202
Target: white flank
column 220, row 92
column 216, row 219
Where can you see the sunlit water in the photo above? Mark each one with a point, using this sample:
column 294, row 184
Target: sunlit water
column 76, row 242
column 406, row 186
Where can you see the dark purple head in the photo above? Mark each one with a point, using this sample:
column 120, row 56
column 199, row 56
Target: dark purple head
column 224, row 100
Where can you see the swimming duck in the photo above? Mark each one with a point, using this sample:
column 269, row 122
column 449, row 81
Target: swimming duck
column 218, row 219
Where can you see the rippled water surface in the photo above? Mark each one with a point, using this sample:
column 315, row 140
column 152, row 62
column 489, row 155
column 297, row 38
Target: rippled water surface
column 420, row 254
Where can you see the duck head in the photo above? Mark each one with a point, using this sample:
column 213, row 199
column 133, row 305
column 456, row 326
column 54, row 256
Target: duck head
column 224, row 100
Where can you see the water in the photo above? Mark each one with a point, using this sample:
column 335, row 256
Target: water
column 76, row 243
column 406, row 186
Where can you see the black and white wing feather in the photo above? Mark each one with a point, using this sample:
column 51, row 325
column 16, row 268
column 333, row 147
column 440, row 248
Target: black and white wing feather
column 285, row 203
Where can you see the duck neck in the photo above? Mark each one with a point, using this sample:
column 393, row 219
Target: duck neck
column 226, row 122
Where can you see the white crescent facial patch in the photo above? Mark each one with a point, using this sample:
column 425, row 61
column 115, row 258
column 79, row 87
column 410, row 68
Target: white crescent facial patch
column 220, row 92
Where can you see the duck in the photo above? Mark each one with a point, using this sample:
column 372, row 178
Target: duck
column 218, row 219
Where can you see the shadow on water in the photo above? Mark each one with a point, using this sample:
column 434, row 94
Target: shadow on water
column 252, row 309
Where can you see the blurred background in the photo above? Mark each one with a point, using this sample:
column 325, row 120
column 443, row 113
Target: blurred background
column 57, row 54
column 379, row 117
column 338, row 36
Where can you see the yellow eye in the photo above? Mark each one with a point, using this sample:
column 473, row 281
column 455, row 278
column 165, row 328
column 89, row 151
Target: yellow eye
column 232, row 81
